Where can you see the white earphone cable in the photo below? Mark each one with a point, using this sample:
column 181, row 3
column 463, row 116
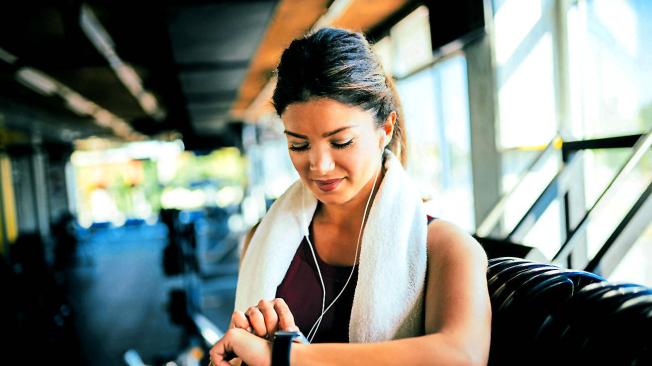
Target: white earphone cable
column 313, row 330
column 321, row 280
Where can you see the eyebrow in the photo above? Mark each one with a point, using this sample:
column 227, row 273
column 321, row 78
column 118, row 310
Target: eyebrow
column 326, row 134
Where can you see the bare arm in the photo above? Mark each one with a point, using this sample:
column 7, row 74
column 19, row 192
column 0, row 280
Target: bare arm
column 457, row 318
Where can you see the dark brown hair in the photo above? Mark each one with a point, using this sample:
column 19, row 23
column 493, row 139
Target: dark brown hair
column 340, row 65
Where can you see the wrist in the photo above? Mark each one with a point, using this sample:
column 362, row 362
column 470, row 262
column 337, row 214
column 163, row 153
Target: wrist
column 298, row 354
column 282, row 346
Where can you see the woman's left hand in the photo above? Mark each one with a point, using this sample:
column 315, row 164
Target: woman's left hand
column 253, row 350
column 265, row 318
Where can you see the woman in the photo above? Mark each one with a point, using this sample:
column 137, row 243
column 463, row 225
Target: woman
column 347, row 255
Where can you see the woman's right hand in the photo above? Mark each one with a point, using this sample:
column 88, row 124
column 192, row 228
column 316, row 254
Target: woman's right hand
column 265, row 318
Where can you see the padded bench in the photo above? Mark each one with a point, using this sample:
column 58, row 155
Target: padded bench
column 547, row 315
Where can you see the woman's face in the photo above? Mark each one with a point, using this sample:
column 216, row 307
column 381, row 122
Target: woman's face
column 335, row 148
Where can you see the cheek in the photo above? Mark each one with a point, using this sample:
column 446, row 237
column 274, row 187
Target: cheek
column 359, row 162
column 300, row 162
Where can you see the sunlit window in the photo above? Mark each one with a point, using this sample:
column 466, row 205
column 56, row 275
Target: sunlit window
column 527, row 111
column 525, row 73
column 583, row 76
column 610, row 74
column 137, row 180
column 411, row 45
column 435, row 102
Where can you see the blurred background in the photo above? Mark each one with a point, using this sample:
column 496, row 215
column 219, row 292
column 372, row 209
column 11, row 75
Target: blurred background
column 138, row 145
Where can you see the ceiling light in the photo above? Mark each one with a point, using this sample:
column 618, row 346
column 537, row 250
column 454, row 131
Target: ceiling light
column 7, row 56
column 103, row 117
column 95, row 32
column 44, row 84
column 79, row 104
column 36, row 81
column 127, row 75
column 148, row 102
column 129, row 78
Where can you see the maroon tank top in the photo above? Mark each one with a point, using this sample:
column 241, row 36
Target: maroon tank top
column 302, row 291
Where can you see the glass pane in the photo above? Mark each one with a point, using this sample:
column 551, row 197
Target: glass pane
column 513, row 20
column 531, row 185
column 457, row 185
column 600, row 167
column 545, row 235
column 383, row 49
column 636, row 266
column 526, row 98
column 611, row 210
column 411, row 42
column 418, row 97
column 609, row 67
column 525, row 70
column 435, row 103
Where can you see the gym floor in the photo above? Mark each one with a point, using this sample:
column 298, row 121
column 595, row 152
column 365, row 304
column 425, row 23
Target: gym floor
column 119, row 295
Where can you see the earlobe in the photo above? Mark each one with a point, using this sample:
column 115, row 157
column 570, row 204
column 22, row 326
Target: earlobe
column 388, row 129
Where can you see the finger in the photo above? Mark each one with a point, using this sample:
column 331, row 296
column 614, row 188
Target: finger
column 239, row 320
column 269, row 315
column 218, row 354
column 257, row 321
column 285, row 317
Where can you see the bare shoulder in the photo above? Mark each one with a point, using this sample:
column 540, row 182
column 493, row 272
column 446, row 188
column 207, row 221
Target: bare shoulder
column 448, row 242
column 457, row 299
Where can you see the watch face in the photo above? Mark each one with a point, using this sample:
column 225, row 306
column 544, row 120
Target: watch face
column 285, row 333
column 294, row 335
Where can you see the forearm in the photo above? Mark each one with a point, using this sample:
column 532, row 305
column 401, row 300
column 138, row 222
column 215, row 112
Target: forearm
column 433, row 349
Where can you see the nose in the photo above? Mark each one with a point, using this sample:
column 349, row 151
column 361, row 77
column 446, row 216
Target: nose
column 321, row 162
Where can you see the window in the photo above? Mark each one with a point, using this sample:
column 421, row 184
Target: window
column 610, row 73
column 580, row 69
column 435, row 104
column 527, row 111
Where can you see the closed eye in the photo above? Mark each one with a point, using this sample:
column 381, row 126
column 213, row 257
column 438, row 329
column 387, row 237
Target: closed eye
column 301, row 147
column 342, row 145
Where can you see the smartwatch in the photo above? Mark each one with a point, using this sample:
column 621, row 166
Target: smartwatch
column 282, row 345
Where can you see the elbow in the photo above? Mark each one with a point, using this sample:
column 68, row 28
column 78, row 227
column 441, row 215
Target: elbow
column 465, row 359
column 476, row 360
column 462, row 357
column 451, row 351
column 471, row 356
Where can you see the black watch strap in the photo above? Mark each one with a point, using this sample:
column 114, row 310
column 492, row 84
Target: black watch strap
column 281, row 347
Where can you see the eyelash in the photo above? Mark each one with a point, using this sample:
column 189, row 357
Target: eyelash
column 335, row 146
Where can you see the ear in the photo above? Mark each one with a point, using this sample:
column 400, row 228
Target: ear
column 387, row 129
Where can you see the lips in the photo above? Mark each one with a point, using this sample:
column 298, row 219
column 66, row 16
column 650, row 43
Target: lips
column 327, row 185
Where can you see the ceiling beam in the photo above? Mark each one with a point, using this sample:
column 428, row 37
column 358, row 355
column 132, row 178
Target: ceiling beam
column 292, row 19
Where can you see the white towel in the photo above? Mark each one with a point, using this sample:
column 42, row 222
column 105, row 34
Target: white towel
column 388, row 299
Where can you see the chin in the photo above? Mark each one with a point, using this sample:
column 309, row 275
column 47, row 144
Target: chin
column 332, row 200
column 336, row 197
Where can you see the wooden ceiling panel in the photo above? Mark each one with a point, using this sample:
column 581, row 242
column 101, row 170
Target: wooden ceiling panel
column 363, row 15
column 292, row 19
